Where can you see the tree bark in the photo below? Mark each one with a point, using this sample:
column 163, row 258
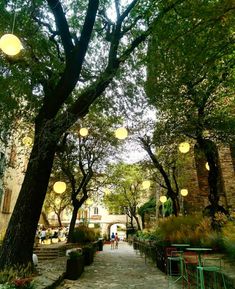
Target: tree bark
column 72, row 224
column 18, row 243
column 137, row 222
column 211, row 154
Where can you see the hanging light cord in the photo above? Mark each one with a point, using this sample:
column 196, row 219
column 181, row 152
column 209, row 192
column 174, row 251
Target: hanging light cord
column 14, row 20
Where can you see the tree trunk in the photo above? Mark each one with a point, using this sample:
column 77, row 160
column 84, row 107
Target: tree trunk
column 45, row 219
column 137, row 222
column 18, row 243
column 143, row 220
column 59, row 219
column 170, row 192
column 214, row 180
column 175, row 203
column 72, row 224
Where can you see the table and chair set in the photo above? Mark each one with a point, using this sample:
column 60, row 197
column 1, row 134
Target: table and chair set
column 188, row 265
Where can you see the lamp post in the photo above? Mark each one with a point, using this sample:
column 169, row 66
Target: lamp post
column 163, row 199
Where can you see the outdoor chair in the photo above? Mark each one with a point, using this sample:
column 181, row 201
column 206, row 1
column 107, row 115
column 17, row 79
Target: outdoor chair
column 176, row 258
column 213, row 265
column 191, row 263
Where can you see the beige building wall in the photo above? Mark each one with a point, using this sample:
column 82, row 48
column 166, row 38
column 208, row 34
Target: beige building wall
column 16, row 161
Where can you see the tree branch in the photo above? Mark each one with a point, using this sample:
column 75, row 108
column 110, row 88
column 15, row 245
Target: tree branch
column 62, row 26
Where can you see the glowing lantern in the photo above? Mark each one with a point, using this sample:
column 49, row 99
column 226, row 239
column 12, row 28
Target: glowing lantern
column 83, row 131
column 146, row 185
column 59, row 187
column 121, row 133
column 27, row 141
column 163, row 199
column 207, row 166
column 89, row 202
column 184, row 147
column 10, row 44
column 184, row 192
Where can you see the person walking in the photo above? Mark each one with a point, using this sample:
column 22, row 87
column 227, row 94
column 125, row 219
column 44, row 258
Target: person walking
column 116, row 239
column 112, row 239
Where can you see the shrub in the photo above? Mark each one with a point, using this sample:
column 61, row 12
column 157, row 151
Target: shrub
column 74, row 254
column 83, row 234
column 16, row 277
column 228, row 232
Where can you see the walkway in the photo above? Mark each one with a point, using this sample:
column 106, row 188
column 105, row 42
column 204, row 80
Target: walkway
column 121, row 268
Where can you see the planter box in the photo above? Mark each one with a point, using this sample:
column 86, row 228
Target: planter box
column 88, row 253
column 74, row 268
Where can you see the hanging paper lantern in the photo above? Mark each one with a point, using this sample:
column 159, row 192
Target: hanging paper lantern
column 184, row 147
column 83, row 131
column 121, row 133
column 27, row 141
column 163, row 199
column 184, row 192
column 59, row 187
column 207, row 166
column 89, row 202
column 146, row 185
column 10, row 44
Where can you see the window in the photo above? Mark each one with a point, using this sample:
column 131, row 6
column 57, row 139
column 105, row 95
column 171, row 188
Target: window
column 96, row 210
column 7, row 201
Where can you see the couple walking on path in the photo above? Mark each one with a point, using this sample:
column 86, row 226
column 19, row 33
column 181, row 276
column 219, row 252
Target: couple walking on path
column 114, row 241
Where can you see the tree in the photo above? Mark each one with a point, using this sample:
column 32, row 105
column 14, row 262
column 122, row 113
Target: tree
column 54, row 68
column 146, row 209
column 55, row 202
column 127, row 192
column 168, row 170
column 82, row 159
column 194, row 86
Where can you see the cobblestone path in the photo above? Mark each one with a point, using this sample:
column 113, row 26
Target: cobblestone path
column 121, row 268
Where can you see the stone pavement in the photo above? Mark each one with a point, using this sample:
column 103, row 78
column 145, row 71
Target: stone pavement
column 120, row 268
column 113, row 269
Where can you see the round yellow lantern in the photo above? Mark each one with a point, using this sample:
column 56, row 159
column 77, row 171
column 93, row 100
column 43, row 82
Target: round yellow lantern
column 146, row 185
column 207, row 166
column 10, row 44
column 83, row 131
column 59, row 187
column 121, row 133
column 27, row 141
column 163, row 199
column 184, row 192
column 184, row 147
column 89, row 202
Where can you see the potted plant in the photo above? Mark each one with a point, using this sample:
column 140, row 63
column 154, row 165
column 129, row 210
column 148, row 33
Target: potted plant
column 88, row 252
column 75, row 264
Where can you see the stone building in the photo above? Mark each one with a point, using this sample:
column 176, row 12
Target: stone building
column 197, row 180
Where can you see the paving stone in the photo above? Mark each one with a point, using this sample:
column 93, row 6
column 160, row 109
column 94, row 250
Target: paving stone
column 112, row 269
column 121, row 268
